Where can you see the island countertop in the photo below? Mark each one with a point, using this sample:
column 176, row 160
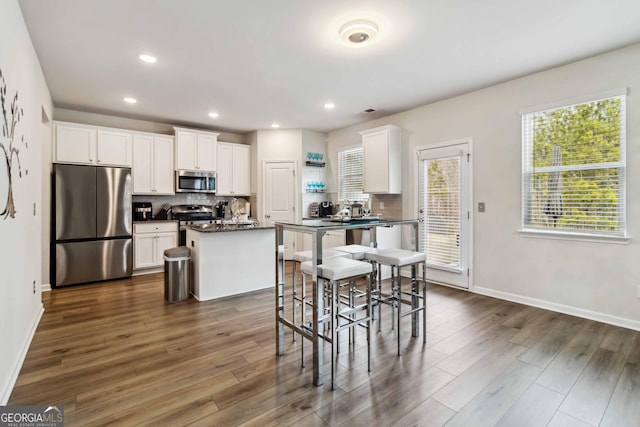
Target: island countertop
column 239, row 226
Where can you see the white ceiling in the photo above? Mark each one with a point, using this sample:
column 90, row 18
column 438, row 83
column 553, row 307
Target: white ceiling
column 262, row 61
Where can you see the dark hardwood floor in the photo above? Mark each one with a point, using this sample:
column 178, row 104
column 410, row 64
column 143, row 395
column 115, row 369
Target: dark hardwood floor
column 117, row 354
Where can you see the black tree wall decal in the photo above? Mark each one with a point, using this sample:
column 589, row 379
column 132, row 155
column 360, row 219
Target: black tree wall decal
column 11, row 151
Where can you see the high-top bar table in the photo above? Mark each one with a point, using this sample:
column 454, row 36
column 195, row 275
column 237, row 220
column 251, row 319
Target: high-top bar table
column 317, row 228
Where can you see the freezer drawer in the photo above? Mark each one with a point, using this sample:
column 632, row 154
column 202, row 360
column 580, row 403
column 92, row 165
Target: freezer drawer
column 82, row 262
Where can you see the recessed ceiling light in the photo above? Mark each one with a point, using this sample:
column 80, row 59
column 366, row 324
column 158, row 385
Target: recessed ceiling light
column 130, row 100
column 329, row 106
column 214, row 115
column 358, row 32
column 275, row 125
column 147, row 58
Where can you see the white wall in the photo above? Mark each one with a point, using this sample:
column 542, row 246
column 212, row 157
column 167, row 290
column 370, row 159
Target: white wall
column 596, row 280
column 20, row 237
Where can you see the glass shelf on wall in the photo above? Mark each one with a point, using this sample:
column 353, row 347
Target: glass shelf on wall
column 316, row 190
column 315, row 164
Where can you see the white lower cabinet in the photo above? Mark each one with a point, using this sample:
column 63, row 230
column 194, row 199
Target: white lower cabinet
column 150, row 241
column 331, row 239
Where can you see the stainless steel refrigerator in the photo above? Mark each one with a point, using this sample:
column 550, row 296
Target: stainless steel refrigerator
column 92, row 224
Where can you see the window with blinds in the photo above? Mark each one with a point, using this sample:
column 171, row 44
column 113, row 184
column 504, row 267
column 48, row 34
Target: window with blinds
column 350, row 175
column 573, row 168
column 440, row 201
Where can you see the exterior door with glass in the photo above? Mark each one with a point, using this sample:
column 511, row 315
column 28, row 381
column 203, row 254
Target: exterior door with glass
column 444, row 203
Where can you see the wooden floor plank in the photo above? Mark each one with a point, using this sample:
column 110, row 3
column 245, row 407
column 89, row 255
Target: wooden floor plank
column 624, row 408
column 472, row 381
column 484, row 344
column 491, row 404
column 116, row 353
column 588, row 398
column 565, row 369
column 430, row 413
column 535, row 408
column 560, row 419
column 545, row 350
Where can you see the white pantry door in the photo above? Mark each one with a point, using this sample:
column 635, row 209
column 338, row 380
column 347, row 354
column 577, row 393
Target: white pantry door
column 280, row 203
column 444, row 210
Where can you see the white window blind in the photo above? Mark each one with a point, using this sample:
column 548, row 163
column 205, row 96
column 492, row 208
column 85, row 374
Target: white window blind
column 350, row 175
column 573, row 168
column 440, row 201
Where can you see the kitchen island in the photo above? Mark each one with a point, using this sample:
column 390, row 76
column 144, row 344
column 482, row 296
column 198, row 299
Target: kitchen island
column 230, row 259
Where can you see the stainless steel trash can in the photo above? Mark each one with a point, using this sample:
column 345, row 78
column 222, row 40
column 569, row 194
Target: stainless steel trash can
column 176, row 274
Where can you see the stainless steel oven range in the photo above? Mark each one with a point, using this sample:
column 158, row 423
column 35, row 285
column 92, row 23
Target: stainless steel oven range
column 192, row 215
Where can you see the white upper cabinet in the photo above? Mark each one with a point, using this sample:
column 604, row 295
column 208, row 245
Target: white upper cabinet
column 114, row 148
column 91, row 145
column 382, row 156
column 73, row 144
column 233, row 171
column 195, row 150
column 152, row 164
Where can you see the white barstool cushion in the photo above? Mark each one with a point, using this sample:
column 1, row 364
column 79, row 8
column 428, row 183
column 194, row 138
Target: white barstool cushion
column 355, row 251
column 399, row 257
column 303, row 256
column 338, row 268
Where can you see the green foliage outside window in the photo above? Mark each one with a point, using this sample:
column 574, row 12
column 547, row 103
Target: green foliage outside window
column 591, row 166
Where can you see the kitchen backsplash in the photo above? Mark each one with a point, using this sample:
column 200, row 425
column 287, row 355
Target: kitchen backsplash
column 392, row 205
column 184, row 199
column 392, row 202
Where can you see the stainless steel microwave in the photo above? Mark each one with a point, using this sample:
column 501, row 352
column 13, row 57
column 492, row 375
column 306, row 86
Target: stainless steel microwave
column 195, row 182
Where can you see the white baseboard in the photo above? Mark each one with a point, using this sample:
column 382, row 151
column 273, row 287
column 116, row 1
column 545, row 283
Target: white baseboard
column 8, row 386
column 561, row 308
column 46, row 287
column 148, row 271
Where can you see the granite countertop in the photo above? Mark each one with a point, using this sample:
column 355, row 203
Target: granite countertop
column 155, row 220
column 216, row 228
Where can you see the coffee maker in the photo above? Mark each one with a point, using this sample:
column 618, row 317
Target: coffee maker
column 141, row 211
column 325, row 209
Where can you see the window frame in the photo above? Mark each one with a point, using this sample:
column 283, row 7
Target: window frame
column 527, row 141
column 341, row 199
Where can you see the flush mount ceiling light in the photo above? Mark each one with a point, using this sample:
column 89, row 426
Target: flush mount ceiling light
column 130, row 100
column 147, row 58
column 275, row 125
column 214, row 115
column 358, row 32
column 329, row 106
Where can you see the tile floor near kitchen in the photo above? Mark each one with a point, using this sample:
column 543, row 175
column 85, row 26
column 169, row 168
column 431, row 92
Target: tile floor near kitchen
column 117, row 354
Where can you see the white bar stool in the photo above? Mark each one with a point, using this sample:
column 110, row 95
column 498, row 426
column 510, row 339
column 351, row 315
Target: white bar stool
column 298, row 258
column 334, row 270
column 397, row 259
column 355, row 251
